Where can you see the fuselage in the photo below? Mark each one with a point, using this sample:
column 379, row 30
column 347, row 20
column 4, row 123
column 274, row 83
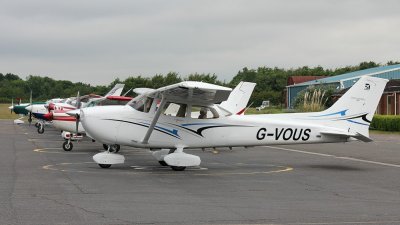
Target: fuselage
column 126, row 126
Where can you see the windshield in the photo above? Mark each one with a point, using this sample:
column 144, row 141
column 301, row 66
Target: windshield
column 142, row 104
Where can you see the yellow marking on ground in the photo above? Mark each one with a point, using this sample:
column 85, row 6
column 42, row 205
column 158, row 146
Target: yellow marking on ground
column 61, row 151
column 144, row 170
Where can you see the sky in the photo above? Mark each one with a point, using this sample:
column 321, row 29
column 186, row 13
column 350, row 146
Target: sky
column 98, row 41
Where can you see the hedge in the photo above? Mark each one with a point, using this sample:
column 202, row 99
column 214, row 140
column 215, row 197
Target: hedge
column 386, row 123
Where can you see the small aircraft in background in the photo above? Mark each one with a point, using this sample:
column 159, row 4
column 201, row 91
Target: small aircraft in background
column 43, row 111
column 199, row 122
column 72, row 128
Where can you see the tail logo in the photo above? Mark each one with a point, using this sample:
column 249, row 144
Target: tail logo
column 367, row 86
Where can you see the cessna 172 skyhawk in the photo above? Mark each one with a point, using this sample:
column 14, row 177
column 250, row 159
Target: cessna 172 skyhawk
column 69, row 121
column 143, row 123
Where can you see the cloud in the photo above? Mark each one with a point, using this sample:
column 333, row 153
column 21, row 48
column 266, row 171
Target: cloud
column 97, row 41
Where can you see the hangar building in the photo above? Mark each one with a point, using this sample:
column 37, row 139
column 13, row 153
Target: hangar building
column 391, row 72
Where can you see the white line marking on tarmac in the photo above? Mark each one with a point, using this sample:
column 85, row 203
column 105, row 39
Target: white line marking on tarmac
column 338, row 157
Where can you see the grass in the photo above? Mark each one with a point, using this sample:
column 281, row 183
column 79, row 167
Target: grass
column 384, row 132
column 5, row 112
column 267, row 110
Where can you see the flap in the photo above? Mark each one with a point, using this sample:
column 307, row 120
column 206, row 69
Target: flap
column 357, row 135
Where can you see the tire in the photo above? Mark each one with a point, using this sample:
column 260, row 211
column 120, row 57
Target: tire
column 105, row 166
column 178, row 168
column 40, row 130
column 67, row 147
column 105, row 147
column 163, row 163
column 37, row 125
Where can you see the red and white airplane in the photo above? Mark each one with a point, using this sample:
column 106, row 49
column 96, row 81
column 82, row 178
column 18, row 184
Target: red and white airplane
column 201, row 123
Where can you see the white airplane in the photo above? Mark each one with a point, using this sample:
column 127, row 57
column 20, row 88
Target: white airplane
column 70, row 123
column 143, row 123
column 72, row 128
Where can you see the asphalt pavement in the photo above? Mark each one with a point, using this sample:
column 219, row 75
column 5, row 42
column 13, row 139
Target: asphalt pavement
column 345, row 183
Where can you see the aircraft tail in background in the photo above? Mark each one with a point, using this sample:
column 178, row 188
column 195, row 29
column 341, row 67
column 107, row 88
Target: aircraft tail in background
column 239, row 98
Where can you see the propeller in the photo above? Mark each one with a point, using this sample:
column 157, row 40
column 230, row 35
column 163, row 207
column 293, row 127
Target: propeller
column 30, row 112
column 77, row 116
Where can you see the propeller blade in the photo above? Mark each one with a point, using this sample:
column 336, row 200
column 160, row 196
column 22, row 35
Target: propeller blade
column 12, row 105
column 78, row 101
column 77, row 116
column 30, row 118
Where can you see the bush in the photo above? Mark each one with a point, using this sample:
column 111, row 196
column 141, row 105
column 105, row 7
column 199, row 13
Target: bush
column 314, row 99
column 386, row 123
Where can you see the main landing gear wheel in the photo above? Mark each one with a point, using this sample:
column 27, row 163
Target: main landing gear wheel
column 105, row 166
column 67, row 146
column 163, row 163
column 178, row 168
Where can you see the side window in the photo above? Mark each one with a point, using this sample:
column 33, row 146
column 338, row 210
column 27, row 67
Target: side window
column 175, row 109
column 142, row 104
column 202, row 112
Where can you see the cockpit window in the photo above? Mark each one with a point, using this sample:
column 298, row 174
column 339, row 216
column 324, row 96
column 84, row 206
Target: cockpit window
column 175, row 109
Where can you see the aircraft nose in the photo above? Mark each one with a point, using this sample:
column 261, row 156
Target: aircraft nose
column 29, row 108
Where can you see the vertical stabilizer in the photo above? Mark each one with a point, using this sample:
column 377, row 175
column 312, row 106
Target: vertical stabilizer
column 116, row 91
column 239, row 98
column 357, row 106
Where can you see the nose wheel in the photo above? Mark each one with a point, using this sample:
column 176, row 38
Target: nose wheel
column 67, row 145
column 40, row 128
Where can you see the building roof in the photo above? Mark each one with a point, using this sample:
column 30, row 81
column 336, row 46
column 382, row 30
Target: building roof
column 338, row 78
column 300, row 79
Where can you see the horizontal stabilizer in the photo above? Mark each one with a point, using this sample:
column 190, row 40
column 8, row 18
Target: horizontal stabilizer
column 357, row 135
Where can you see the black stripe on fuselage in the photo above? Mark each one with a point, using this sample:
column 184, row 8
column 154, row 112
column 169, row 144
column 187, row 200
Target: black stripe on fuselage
column 143, row 125
column 201, row 129
column 363, row 117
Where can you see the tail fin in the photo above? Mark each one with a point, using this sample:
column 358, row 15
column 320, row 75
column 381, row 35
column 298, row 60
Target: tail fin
column 357, row 106
column 116, row 91
column 239, row 97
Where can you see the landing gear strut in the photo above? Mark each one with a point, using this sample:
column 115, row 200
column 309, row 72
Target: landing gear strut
column 112, row 148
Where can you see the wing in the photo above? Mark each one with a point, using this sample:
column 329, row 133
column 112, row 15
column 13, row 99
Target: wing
column 192, row 92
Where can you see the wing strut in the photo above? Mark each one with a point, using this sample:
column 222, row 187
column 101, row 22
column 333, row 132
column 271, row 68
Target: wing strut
column 154, row 121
